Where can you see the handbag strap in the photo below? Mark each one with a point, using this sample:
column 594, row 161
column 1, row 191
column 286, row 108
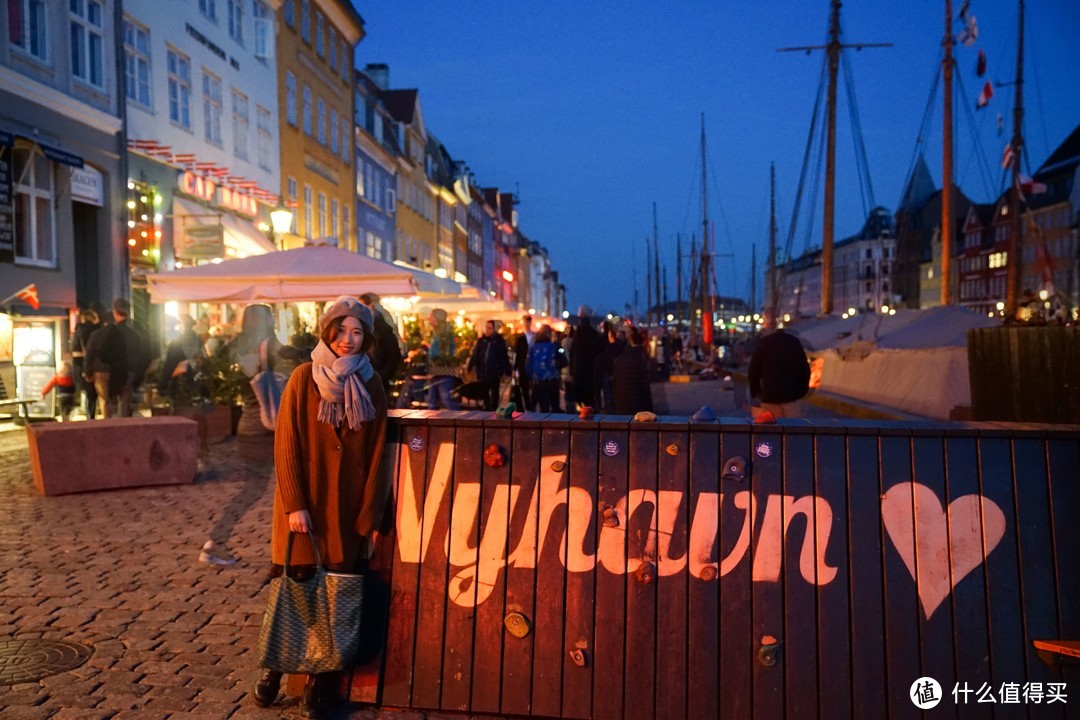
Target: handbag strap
column 264, row 355
column 288, row 550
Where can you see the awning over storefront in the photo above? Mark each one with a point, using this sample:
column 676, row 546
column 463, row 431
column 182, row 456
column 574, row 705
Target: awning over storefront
column 429, row 284
column 304, row 274
column 243, row 238
column 7, row 139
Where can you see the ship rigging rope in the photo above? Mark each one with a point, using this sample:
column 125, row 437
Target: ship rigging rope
column 924, row 131
column 861, row 158
column 793, row 226
column 978, row 152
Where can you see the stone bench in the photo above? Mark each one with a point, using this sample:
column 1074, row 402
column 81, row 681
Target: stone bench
column 110, row 454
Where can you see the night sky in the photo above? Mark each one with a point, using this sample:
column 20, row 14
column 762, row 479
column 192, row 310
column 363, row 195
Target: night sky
column 591, row 112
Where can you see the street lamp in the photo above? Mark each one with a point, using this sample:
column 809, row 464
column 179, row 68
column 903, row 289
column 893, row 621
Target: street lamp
column 281, row 218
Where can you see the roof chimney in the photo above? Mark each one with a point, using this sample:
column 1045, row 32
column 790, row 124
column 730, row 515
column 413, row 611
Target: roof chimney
column 379, row 74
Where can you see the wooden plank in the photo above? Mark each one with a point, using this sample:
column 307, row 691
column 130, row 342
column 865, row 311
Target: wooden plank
column 833, row 598
column 673, row 522
column 1063, row 460
column 766, row 548
column 932, row 534
column 970, row 624
column 495, row 504
column 1006, row 639
column 551, row 502
column 641, row 597
column 464, row 554
column 800, row 532
column 366, row 672
column 427, row 667
column 868, row 668
column 577, row 685
column 722, row 654
column 902, row 607
column 1037, row 577
column 521, row 571
column 401, row 627
column 610, row 630
column 703, row 608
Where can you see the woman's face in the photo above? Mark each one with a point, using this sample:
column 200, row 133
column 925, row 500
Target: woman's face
column 349, row 337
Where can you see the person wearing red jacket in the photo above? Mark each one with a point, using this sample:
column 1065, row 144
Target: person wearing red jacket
column 64, row 382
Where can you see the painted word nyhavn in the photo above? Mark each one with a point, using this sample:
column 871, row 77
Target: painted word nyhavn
column 476, row 566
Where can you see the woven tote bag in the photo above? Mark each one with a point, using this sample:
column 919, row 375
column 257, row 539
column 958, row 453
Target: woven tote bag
column 311, row 626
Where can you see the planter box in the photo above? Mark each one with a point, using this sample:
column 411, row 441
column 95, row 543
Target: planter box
column 215, row 421
column 110, row 454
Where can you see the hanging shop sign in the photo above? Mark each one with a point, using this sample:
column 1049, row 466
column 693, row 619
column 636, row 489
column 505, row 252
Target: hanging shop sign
column 200, row 242
column 87, row 186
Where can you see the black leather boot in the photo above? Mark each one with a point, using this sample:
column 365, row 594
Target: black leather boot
column 311, row 700
column 266, row 688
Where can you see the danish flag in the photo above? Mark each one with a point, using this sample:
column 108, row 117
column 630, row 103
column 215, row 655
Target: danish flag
column 29, row 296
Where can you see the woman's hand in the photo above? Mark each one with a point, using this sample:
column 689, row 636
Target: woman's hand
column 300, row 521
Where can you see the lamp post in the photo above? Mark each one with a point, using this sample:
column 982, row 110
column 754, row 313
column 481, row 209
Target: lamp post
column 281, row 218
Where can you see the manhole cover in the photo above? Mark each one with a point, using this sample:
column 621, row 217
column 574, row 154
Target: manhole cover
column 29, row 660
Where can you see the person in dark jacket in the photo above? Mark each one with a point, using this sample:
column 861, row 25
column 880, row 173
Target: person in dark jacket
column 138, row 356
column 614, row 343
column 630, row 390
column 521, row 394
column 386, row 355
column 542, row 367
column 106, row 366
column 80, row 338
column 177, row 373
column 779, row 375
column 587, row 345
column 491, row 363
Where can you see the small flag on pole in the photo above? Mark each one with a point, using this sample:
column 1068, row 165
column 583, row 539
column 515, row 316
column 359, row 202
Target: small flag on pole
column 29, row 296
column 980, row 66
column 1030, row 186
column 984, row 96
column 1007, row 157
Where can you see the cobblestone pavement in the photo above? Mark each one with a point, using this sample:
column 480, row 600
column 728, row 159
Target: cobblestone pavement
column 119, row 571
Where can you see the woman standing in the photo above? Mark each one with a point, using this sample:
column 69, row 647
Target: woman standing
column 543, row 367
column 329, row 439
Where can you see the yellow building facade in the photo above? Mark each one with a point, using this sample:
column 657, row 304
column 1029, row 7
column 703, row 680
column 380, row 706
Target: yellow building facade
column 416, row 216
column 315, row 44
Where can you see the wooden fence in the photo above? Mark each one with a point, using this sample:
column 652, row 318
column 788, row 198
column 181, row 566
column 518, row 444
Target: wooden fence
column 703, row 570
column 1025, row 374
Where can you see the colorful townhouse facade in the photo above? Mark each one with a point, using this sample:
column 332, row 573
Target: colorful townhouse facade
column 315, row 80
column 377, row 152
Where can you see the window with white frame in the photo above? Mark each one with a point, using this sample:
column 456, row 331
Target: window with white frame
column 137, row 63
column 264, row 29
column 334, row 220
column 331, row 45
column 309, row 216
column 322, row 215
column 209, row 9
column 305, row 20
column 346, row 141
column 35, row 226
column 236, row 20
column 240, row 124
column 179, row 67
column 290, row 97
column 345, row 224
column 320, row 34
column 266, row 138
column 290, row 188
column 211, row 86
column 28, row 27
column 333, row 131
column 321, row 120
column 307, row 110
column 360, row 177
column 87, row 41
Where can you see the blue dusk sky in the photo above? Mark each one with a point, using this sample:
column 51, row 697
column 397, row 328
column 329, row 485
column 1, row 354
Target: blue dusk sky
column 591, row 111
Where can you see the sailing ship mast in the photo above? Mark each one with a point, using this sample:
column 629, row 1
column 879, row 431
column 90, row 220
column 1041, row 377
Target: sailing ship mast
column 656, row 266
column 832, row 51
column 706, row 257
column 947, row 163
column 1012, row 282
column 774, row 291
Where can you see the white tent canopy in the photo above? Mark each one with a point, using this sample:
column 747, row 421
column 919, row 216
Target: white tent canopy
column 309, row 274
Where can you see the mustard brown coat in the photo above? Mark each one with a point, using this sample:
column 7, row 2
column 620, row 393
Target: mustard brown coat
column 333, row 473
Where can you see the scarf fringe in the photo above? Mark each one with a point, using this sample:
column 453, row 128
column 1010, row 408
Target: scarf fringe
column 357, row 408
